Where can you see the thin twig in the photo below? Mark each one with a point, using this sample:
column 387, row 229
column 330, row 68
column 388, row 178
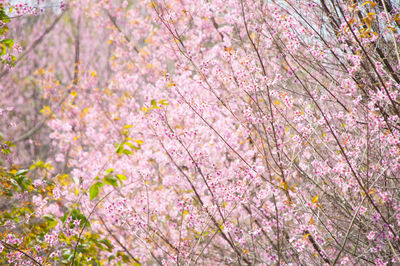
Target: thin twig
column 18, row 250
column 35, row 43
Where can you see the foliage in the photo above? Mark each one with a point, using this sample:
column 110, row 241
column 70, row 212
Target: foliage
column 33, row 232
column 6, row 44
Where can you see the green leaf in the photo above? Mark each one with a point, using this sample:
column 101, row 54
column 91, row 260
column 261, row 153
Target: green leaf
column 3, row 49
column 132, row 146
column 76, row 214
column 3, row 30
column 109, row 170
column 110, row 181
column 121, row 177
column 21, row 183
column 107, row 243
column 8, row 43
column 127, row 152
column 51, row 220
column 9, row 143
column 49, row 217
column 22, row 172
column 3, row 16
column 14, row 182
column 120, row 148
column 64, row 218
column 163, row 102
column 94, row 190
column 38, row 164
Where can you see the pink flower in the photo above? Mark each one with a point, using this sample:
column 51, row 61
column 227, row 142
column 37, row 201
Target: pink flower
column 371, row 235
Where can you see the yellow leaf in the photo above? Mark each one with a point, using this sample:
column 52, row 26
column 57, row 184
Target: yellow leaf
column 228, row 49
column 84, row 112
column 315, row 199
column 284, row 185
column 367, row 21
column 127, row 126
column 46, row 110
column 64, row 179
column 243, row 141
column 369, row 2
column 48, row 166
column 171, row 84
column 13, row 171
